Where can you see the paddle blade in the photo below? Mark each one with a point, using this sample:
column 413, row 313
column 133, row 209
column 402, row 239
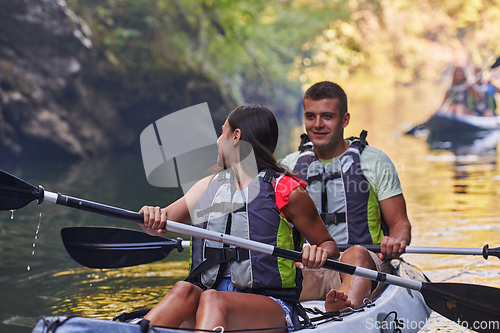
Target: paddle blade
column 496, row 64
column 473, row 306
column 16, row 193
column 416, row 129
column 101, row 247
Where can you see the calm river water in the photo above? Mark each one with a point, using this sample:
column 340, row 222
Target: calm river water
column 452, row 194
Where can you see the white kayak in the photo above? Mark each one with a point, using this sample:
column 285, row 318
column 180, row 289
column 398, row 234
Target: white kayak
column 397, row 309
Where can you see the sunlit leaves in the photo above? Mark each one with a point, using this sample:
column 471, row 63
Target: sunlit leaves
column 403, row 41
column 253, row 46
column 236, row 44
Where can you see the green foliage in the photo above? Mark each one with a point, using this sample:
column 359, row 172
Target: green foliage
column 262, row 50
column 242, row 46
column 404, row 41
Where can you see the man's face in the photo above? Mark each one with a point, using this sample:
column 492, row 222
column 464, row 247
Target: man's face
column 323, row 122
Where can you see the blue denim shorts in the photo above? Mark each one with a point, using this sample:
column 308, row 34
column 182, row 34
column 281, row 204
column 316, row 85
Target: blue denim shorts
column 291, row 316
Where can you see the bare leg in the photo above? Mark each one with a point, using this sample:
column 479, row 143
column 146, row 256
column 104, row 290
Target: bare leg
column 354, row 289
column 177, row 308
column 233, row 311
column 453, row 108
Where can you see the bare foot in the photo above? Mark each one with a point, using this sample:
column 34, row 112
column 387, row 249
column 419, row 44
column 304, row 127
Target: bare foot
column 336, row 300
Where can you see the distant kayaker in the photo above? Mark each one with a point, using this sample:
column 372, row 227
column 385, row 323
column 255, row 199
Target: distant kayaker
column 460, row 96
column 485, row 105
column 253, row 198
column 357, row 193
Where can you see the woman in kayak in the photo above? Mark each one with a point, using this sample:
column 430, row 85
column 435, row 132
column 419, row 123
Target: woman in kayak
column 252, row 197
column 461, row 95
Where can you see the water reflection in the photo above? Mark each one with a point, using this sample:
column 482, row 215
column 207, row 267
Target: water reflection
column 474, row 156
column 106, row 293
column 462, row 208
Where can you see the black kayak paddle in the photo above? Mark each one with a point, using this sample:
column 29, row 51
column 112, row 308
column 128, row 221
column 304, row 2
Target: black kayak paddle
column 108, row 247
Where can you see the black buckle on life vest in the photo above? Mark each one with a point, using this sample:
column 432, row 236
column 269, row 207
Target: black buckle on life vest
column 219, row 255
column 305, row 142
column 269, row 175
column 333, row 218
column 226, row 254
column 360, row 142
column 314, row 179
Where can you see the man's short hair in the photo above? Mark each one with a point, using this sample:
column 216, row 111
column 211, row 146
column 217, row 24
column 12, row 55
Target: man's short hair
column 327, row 89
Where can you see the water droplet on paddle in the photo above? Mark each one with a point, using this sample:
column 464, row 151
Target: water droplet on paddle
column 12, row 214
column 28, row 268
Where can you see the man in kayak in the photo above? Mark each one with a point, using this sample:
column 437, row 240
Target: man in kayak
column 357, row 192
column 484, row 104
column 252, row 197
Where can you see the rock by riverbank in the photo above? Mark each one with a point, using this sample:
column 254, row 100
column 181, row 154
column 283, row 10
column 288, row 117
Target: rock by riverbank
column 55, row 101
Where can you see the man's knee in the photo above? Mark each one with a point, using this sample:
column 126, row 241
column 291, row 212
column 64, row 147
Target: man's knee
column 359, row 256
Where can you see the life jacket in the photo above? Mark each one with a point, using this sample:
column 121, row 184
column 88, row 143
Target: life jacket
column 342, row 193
column 488, row 101
column 459, row 94
column 250, row 213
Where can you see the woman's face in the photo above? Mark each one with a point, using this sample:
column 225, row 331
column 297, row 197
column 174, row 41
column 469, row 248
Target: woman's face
column 458, row 76
column 225, row 147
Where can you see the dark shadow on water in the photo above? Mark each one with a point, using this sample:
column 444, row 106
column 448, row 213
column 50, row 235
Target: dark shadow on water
column 474, row 153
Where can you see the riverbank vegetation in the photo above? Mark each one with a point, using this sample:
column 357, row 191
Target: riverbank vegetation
column 87, row 76
column 262, row 50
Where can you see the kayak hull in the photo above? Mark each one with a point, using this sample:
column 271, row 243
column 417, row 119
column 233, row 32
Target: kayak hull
column 396, row 308
column 448, row 123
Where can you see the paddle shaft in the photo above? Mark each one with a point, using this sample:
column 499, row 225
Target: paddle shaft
column 485, row 251
column 89, row 206
column 189, row 230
